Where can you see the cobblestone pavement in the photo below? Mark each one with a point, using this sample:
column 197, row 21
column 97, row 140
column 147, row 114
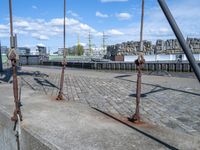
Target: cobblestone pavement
column 169, row 102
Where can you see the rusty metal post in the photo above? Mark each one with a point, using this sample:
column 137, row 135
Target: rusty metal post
column 139, row 63
column 13, row 57
column 1, row 62
column 60, row 94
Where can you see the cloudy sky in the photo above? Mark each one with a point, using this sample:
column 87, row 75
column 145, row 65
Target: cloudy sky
column 40, row 21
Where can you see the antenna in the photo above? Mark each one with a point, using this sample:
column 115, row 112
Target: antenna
column 78, row 39
column 90, row 43
column 105, row 37
column 78, row 45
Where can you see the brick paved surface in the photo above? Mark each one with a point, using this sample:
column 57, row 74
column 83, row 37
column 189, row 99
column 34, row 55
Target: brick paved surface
column 169, row 102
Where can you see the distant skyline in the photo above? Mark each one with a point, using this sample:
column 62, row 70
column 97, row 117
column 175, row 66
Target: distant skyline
column 41, row 22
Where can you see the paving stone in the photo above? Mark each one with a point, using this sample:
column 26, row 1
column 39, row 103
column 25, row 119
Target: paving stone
column 168, row 100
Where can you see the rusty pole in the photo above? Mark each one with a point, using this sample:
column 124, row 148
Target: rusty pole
column 13, row 57
column 139, row 63
column 60, row 94
column 1, row 62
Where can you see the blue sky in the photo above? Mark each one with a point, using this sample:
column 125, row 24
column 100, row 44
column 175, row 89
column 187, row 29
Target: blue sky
column 40, row 21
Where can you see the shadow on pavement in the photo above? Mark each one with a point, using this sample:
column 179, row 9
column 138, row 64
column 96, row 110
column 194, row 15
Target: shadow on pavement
column 138, row 130
column 44, row 82
column 162, row 88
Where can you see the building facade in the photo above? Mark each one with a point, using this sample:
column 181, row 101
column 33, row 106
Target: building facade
column 4, row 50
column 170, row 46
column 42, row 50
column 23, row 51
column 194, row 45
column 129, row 48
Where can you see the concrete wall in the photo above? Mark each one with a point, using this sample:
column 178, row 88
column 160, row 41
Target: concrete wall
column 8, row 140
column 148, row 66
column 151, row 58
column 29, row 60
column 32, row 59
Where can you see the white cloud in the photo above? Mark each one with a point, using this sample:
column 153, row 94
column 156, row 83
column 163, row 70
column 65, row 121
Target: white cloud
column 18, row 31
column 34, row 7
column 3, row 27
column 155, row 25
column 41, row 29
column 56, row 22
column 123, row 16
column 4, row 35
column 60, row 22
column 41, row 44
column 99, row 14
column 106, row 1
column 4, row 30
column 85, row 27
column 21, row 23
column 114, row 32
column 83, row 44
column 73, row 14
column 40, row 36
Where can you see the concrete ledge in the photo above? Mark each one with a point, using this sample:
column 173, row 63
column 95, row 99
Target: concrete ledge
column 50, row 124
column 8, row 140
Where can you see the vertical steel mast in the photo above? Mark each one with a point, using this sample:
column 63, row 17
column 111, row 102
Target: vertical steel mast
column 180, row 38
column 60, row 94
column 139, row 63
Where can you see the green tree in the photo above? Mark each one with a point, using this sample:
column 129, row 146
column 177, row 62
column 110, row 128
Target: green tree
column 80, row 50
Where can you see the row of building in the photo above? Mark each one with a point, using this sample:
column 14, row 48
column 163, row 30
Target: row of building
column 38, row 50
column 170, row 46
column 94, row 51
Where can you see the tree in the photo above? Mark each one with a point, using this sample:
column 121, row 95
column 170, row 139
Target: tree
column 80, row 50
